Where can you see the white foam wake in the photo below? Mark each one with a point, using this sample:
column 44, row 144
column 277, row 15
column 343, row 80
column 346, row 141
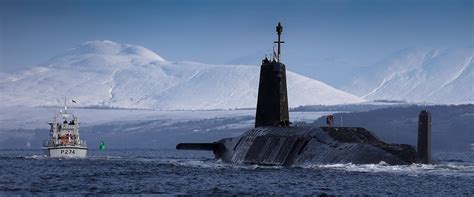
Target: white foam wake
column 413, row 169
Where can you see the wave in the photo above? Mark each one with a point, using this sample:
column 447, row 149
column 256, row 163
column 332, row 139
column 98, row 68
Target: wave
column 447, row 167
column 413, row 169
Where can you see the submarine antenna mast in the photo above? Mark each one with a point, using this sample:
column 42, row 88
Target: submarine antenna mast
column 279, row 30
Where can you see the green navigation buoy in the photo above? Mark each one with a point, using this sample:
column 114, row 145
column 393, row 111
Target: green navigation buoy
column 102, row 145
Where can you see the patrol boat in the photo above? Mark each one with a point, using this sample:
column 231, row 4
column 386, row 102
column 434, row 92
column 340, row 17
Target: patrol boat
column 64, row 140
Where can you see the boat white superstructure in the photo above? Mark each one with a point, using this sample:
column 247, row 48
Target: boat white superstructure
column 64, row 138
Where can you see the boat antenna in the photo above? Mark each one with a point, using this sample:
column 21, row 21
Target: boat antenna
column 65, row 104
column 279, row 30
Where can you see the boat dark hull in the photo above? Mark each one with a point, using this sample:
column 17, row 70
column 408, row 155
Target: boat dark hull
column 288, row 146
column 66, row 151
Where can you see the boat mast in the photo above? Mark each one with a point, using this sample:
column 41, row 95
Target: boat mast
column 65, row 104
column 279, row 30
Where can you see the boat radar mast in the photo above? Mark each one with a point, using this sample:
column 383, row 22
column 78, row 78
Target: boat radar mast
column 279, row 30
column 65, row 104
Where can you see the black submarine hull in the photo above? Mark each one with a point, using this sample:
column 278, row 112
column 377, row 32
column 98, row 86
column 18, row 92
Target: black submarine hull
column 290, row 146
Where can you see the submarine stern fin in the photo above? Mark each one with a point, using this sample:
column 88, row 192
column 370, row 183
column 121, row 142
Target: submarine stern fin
column 423, row 153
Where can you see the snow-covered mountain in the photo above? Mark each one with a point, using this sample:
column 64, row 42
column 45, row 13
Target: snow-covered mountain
column 106, row 73
column 420, row 75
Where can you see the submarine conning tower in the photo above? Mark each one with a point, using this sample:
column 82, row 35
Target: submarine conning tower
column 272, row 101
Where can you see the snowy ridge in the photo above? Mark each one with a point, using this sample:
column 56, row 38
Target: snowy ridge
column 420, row 75
column 105, row 73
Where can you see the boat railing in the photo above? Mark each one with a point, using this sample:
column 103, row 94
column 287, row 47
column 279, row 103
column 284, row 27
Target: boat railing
column 82, row 143
column 50, row 143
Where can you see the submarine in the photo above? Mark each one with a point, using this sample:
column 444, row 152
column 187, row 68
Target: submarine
column 276, row 141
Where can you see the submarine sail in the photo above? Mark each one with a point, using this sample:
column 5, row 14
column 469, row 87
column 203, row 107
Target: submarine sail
column 272, row 102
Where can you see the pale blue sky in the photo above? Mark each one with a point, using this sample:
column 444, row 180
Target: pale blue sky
column 220, row 31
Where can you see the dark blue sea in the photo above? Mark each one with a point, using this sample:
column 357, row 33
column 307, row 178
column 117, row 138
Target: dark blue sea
column 28, row 172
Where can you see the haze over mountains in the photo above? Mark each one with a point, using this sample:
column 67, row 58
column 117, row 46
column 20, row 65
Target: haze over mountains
column 419, row 75
column 105, row 73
